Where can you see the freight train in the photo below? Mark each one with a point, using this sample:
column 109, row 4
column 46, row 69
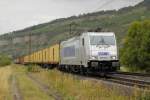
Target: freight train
column 89, row 52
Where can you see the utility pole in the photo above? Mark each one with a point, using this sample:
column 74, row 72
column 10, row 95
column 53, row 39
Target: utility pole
column 12, row 46
column 29, row 46
column 70, row 27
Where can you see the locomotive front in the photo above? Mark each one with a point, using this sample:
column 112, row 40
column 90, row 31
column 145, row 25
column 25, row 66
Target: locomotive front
column 103, row 53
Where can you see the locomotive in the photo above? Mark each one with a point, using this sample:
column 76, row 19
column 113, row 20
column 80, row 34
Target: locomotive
column 89, row 52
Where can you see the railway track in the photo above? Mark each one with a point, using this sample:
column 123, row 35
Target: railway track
column 124, row 78
column 135, row 74
column 130, row 79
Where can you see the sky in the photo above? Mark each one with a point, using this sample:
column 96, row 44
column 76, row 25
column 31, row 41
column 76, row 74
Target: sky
column 19, row 14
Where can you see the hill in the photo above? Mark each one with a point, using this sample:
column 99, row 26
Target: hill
column 43, row 35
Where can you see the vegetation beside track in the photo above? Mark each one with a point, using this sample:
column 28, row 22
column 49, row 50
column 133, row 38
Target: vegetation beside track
column 73, row 88
column 135, row 52
column 29, row 90
column 70, row 86
column 5, row 75
column 4, row 60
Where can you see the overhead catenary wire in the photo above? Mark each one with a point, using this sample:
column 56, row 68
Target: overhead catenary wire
column 104, row 4
column 96, row 6
column 111, row 1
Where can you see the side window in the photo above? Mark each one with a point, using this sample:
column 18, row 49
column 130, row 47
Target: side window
column 82, row 41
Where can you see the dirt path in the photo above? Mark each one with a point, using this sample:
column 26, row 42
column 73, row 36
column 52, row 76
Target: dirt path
column 15, row 89
column 48, row 90
column 5, row 73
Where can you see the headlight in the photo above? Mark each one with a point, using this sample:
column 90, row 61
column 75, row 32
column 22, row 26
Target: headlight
column 93, row 57
column 113, row 57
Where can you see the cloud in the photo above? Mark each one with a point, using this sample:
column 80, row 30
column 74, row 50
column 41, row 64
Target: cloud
column 18, row 14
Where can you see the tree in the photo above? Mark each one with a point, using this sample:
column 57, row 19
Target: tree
column 135, row 53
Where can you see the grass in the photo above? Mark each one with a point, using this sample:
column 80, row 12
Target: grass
column 29, row 90
column 5, row 74
column 132, row 69
column 73, row 88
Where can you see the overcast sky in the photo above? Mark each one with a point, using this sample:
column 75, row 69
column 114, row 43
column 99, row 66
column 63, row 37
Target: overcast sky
column 18, row 14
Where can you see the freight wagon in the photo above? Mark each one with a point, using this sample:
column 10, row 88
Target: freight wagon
column 48, row 57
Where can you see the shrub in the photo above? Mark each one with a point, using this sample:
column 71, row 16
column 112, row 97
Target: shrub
column 136, row 50
column 4, row 60
column 146, row 96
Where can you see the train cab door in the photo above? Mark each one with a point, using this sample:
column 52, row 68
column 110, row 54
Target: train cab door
column 82, row 51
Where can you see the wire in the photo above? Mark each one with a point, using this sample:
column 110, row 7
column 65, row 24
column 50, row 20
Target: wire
column 110, row 1
column 104, row 4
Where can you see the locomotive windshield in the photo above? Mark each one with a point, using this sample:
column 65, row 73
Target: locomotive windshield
column 102, row 40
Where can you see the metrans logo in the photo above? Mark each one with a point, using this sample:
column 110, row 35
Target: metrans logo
column 103, row 53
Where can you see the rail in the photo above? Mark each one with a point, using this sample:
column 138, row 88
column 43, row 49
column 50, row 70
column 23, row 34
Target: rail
column 130, row 79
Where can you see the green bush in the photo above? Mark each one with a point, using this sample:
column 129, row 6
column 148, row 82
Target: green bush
column 136, row 49
column 145, row 96
column 4, row 60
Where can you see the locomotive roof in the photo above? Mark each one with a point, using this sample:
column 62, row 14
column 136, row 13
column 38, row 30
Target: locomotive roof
column 100, row 33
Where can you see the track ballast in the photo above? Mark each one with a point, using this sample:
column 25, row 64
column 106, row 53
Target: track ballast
column 130, row 79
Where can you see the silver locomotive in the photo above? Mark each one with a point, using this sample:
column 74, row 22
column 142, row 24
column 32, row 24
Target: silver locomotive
column 90, row 52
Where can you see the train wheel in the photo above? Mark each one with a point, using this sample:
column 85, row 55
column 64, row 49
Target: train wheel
column 87, row 71
column 82, row 70
column 74, row 69
column 67, row 68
